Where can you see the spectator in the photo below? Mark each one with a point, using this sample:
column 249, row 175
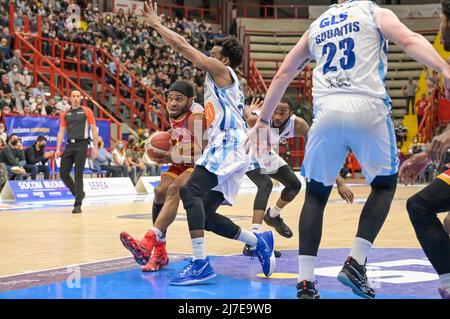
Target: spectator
column 16, row 59
column 36, row 158
column 14, row 159
column 63, row 104
column 51, row 105
column 152, row 167
column 421, row 106
column 15, row 76
column 5, row 49
column 22, row 103
column 3, row 134
column 38, row 105
column 28, row 79
column 5, row 86
column 120, row 160
column 134, row 157
column 148, row 80
column 6, row 104
column 103, row 162
column 27, row 111
column 17, row 89
column 4, row 67
column 410, row 91
column 39, row 90
column 415, row 146
column 401, row 133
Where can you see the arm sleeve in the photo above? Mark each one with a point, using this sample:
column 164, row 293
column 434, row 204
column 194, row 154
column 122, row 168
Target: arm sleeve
column 89, row 115
column 62, row 119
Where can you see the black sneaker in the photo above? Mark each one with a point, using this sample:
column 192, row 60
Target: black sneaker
column 353, row 275
column 278, row 224
column 307, row 290
column 251, row 252
column 76, row 209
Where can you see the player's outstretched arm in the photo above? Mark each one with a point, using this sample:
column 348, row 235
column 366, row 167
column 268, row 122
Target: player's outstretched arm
column 413, row 44
column 216, row 68
column 294, row 62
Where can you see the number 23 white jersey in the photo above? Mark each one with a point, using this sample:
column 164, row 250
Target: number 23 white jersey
column 350, row 52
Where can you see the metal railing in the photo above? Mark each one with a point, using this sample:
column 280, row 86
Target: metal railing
column 96, row 70
column 66, row 84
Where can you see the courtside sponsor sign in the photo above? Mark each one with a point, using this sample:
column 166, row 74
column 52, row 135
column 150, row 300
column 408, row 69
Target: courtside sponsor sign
column 55, row 189
column 146, row 184
column 108, row 186
column 35, row 190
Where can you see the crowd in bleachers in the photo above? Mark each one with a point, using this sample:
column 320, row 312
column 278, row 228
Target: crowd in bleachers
column 139, row 49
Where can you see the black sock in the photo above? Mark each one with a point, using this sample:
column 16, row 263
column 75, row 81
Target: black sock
column 156, row 210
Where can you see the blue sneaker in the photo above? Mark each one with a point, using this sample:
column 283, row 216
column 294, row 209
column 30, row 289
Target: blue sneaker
column 265, row 252
column 196, row 271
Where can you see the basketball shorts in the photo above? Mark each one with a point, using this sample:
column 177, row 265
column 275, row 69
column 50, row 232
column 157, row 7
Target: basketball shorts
column 347, row 122
column 178, row 169
column 445, row 177
column 227, row 158
column 269, row 163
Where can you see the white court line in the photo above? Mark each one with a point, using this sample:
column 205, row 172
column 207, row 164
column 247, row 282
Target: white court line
column 82, row 264
column 96, row 262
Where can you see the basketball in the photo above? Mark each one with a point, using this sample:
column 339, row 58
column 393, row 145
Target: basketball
column 158, row 141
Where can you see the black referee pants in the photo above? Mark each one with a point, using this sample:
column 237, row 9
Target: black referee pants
column 74, row 154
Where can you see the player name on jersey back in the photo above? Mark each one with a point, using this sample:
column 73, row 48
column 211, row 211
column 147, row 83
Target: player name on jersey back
column 350, row 52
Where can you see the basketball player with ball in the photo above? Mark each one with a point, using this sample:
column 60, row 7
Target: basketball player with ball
column 178, row 146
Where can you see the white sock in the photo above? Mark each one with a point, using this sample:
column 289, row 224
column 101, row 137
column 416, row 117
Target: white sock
column 360, row 250
column 158, row 233
column 256, row 228
column 248, row 237
column 445, row 282
column 306, row 265
column 198, row 248
column 275, row 211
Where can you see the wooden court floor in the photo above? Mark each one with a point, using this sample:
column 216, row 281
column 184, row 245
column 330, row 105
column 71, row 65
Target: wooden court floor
column 51, row 238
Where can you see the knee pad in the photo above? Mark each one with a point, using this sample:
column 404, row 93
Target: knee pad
column 291, row 190
column 185, row 192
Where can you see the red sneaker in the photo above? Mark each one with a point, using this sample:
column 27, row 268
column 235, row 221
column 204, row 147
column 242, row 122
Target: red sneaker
column 159, row 258
column 134, row 246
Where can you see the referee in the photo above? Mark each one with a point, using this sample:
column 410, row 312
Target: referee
column 77, row 120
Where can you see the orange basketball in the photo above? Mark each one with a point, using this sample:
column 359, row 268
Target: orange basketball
column 158, row 141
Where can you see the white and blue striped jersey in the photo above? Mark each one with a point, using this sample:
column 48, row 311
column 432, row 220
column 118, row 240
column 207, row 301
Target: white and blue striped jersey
column 287, row 132
column 224, row 107
column 350, row 52
column 280, row 136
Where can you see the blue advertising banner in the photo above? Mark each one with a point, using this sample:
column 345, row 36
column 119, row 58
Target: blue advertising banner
column 35, row 190
column 30, row 127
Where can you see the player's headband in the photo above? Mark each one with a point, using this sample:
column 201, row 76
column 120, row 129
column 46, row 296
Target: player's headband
column 184, row 87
